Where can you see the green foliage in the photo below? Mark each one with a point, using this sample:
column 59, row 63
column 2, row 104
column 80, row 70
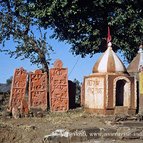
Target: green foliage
column 14, row 19
column 83, row 23
column 78, row 91
column 17, row 23
column 9, row 81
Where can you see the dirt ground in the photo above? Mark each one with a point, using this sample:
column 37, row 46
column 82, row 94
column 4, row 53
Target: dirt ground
column 33, row 129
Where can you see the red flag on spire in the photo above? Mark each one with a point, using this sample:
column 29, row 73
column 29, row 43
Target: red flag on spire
column 109, row 36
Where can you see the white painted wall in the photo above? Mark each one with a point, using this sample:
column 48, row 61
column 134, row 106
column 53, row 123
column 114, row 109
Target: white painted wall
column 94, row 92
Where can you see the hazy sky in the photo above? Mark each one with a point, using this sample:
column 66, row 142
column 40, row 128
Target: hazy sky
column 77, row 67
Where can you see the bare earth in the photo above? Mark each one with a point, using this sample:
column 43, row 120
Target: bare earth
column 33, row 130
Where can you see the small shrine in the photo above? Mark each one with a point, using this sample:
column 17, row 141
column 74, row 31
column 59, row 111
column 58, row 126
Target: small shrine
column 109, row 89
column 135, row 69
column 136, row 64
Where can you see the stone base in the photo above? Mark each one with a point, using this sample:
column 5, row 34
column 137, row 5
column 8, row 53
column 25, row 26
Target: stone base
column 131, row 111
column 97, row 111
column 111, row 111
column 100, row 111
column 120, row 110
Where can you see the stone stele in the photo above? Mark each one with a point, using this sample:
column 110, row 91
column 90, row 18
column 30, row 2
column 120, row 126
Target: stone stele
column 59, row 100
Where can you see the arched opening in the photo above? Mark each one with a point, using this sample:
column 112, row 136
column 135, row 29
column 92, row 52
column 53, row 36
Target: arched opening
column 120, row 92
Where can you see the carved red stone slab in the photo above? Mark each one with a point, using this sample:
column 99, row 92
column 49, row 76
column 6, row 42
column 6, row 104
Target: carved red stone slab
column 38, row 90
column 59, row 100
column 58, row 64
column 18, row 88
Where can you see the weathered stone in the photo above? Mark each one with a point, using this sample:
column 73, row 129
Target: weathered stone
column 109, row 133
column 59, row 100
column 94, row 88
column 119, row 110
column 31, row 114
column 93, row 133
column 65, row 136
column 129, row 133
column 38, row 90
column 132, row 118
column 139, row 117
column 15, row 112
column 121, row 118
column 123, row 132
column 78, row 135
column 60, row 135
column 28, row 127
column 141, row 135
column 24, row 108
column 132, row 124
column 18, row 88
column 78, row 139
column 39, row 114
column 134, row 133
column 6, row 114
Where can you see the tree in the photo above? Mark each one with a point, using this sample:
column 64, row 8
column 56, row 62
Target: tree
column 9, row 80
column 78, row 91
column 83, row 23
column 17, row 23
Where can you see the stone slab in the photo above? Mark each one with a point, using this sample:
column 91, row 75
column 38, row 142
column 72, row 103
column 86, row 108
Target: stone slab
column 59, row 99
column 38, row 90
column 18, row 88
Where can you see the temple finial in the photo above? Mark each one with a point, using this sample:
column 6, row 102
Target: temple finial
column 109, row 44
column 140, row 49
column 109, row 35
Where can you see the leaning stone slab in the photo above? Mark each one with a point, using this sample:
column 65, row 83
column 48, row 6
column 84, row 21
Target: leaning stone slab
column 18, row 88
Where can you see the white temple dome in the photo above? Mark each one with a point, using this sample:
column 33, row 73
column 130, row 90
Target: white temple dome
column 109, row 62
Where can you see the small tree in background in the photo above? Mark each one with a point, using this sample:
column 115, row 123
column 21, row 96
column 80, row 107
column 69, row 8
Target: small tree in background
column 9, row 80
column 78, row 91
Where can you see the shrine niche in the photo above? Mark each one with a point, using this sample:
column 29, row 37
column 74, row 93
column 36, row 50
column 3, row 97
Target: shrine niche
column 72, row 94
column 38, row 90
column 59, row 100
column 18, row 88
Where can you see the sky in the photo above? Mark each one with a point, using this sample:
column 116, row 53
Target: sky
column 77, row 67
